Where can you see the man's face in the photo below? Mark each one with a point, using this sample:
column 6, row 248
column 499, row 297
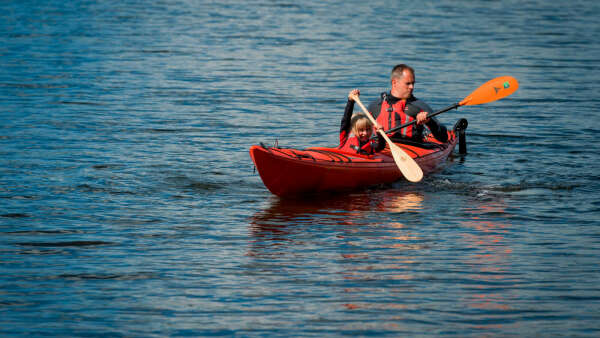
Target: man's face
column 402, row 87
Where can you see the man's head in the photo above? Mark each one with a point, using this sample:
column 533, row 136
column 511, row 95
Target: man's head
column 403, row 81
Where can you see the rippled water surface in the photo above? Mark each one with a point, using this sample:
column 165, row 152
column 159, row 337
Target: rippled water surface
column 129, row 205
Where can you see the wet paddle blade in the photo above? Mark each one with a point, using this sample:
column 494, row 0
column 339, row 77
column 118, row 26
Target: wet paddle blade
column 491, row 91
column 409, row 168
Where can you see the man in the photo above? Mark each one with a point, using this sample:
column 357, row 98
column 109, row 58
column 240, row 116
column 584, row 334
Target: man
column 399, row 106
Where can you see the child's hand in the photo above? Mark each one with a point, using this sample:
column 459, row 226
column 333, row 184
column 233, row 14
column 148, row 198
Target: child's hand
column 353, row 94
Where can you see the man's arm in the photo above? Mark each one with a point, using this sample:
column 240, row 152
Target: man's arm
column 438, row 130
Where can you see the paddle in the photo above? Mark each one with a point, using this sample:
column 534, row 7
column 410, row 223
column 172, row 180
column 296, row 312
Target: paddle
column 490, row 91
column 409, row 168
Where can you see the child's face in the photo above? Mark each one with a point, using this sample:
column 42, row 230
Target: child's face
column 364, row 134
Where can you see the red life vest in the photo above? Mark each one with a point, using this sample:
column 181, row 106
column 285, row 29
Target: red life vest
column 388, row 120
column 352, row 145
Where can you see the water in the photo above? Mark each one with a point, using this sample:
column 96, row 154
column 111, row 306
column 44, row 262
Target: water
column 129, row 205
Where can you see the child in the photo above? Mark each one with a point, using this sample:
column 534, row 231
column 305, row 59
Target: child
column 356, row 131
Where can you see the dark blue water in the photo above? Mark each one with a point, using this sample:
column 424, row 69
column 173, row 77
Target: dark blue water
column 129, row 205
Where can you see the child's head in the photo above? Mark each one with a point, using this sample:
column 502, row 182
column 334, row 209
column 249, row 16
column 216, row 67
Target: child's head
column 362, row 127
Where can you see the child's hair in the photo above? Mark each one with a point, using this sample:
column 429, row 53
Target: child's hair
column 360, row 121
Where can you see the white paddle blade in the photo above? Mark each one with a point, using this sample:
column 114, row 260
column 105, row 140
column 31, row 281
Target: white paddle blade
column 409, row 168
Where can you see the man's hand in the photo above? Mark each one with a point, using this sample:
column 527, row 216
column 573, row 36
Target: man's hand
column 422, row 117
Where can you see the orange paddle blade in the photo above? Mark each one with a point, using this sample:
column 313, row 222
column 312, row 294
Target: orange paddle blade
column 491, row 91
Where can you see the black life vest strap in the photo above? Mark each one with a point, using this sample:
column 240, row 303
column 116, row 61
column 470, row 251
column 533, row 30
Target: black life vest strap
column 385, row 97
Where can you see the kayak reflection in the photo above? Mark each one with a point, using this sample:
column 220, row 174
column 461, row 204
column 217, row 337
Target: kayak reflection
column 409, row 202
column 330, row 208
column 344, row 249
column 288, row 220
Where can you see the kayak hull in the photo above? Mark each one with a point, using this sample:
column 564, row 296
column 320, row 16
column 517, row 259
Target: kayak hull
column 290, row 172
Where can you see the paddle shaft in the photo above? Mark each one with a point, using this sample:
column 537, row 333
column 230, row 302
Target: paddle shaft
column 456, row 105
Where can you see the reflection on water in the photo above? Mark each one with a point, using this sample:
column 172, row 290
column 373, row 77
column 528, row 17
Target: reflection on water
column 347, row 218
column 342, row 210
column 346, row 237
column 394, row 201
column 379, row 264
column 488, row 263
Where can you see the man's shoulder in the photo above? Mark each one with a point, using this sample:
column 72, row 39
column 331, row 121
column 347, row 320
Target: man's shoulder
column 375, row 105
column 420, row 104
column 379, row 99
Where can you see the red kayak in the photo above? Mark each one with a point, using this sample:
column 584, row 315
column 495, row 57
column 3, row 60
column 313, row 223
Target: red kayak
column 290, row 172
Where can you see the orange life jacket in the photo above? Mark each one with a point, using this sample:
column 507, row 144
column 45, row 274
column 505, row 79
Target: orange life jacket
column 390, row 117
column 352, row 145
